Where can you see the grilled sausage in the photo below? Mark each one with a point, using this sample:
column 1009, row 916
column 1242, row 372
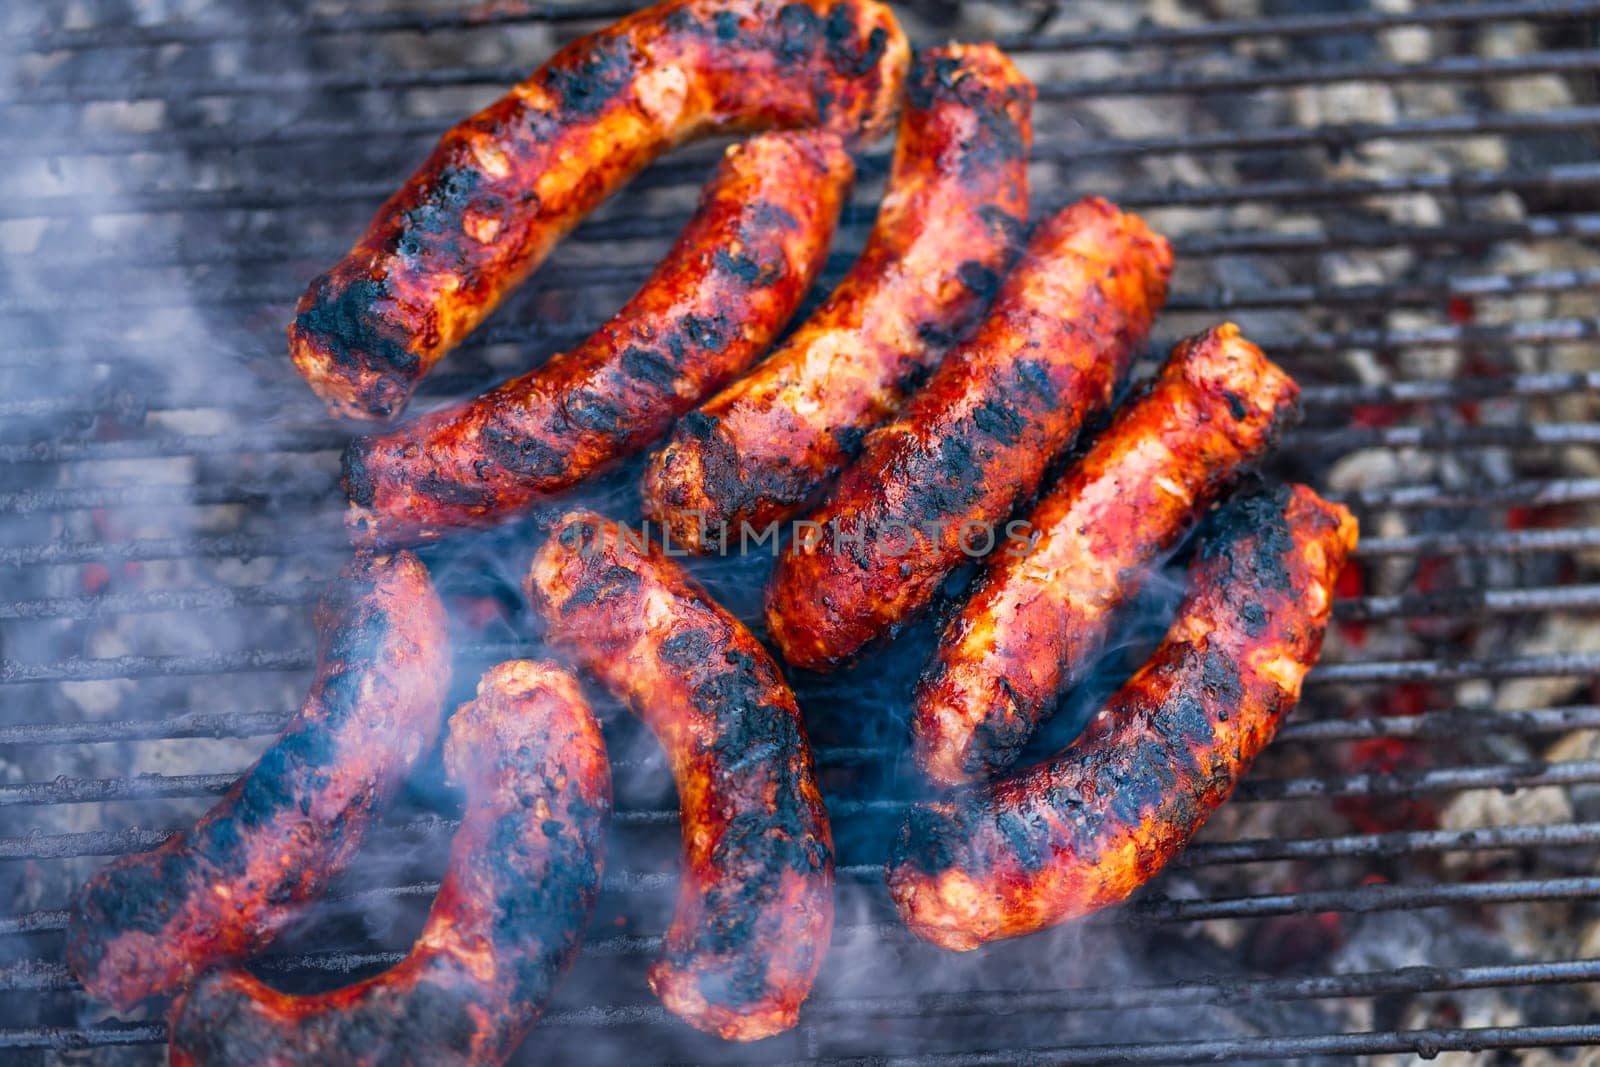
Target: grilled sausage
column 1035, row 620
column 222, row 891
column 717, row 301
column 755, row 902
column 1088, row 827
column 976, row 441
column 524, row 872
column 761, row 450
column 504, row 186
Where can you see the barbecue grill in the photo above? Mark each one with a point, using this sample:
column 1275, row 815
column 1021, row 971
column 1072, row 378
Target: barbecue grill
column 1399, row 200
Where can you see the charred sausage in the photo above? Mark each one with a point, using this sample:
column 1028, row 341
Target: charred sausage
column 504, row 186
column 975, row 442
column 755, row 901
column 1083, row 830
column 222, row 891
column 761, row 450
column 721, row 296
column 1036, row 619
column 524, row 871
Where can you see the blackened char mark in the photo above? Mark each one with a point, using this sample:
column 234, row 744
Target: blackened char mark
column 588, row 85
column 344, row 318
column 355, row 476
column 1257, row 523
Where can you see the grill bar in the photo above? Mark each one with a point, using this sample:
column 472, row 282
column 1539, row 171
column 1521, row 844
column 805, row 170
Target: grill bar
column 1523, row 435
column 1409, row 783
column 219, row 598
column 1434, row 724
column 1188, row 246
column 577, row 279
column 318, row 489
column 324, row 196
column 69, row 790
column 1397, row 843
column 1426, row 1044
column 1218, row 32
column 81, row 669
column 1345, row 135
column 40, row 975
column 1169, row 83
column 1210, row 991
column 327, row 195
column 1444, row 724
column 551, row 336
column 125, row 403
column 249, row 547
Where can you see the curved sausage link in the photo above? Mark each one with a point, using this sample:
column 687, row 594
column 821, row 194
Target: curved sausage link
column 504, row 186
column 1088, row 827
column 524, row 873
column 223, row 890
column 975, row 442
column 1036, row 619
column 761, row 450
column 721, row 296
column 755, row 903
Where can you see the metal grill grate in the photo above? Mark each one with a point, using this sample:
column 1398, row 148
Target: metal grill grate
column 1399, row 201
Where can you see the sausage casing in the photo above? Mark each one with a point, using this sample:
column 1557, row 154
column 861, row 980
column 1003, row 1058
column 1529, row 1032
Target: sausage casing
column 755, row 901
column 504, row 186
column 1036, row 619
column 956, row 203
column 717, row 301
column 220, row 892
column 1085, row 829
column 524, row 872
column 976, row 440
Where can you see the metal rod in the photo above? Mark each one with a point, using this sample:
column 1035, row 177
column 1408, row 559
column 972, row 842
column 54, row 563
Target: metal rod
column 1366, row 898
column 126, row 405
column 1482, row 435
column 48, row 975
column 1207, row 990
column 139, row 666
column 270, row 495
column 1458, row 602
column 1479, row 543
column 1401, row 843
column 251, row 546
column 215, row 598
column 1452, row 722
column 307, row 546
column 85, row 669
column 1551, row 493
column 1412, row 783
column 1428, row 725
column 305, row 25
column 1425, row 1044
column 1455, row 670
column 1206, row 83
column 70, row 790
column 581, row 278
column 1356, row 234
column 54, row 39
column 402, row 131
column 1468, row 603
column 505, row 75
column 322, row 195
column 296, row 440
column 1451, row 390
